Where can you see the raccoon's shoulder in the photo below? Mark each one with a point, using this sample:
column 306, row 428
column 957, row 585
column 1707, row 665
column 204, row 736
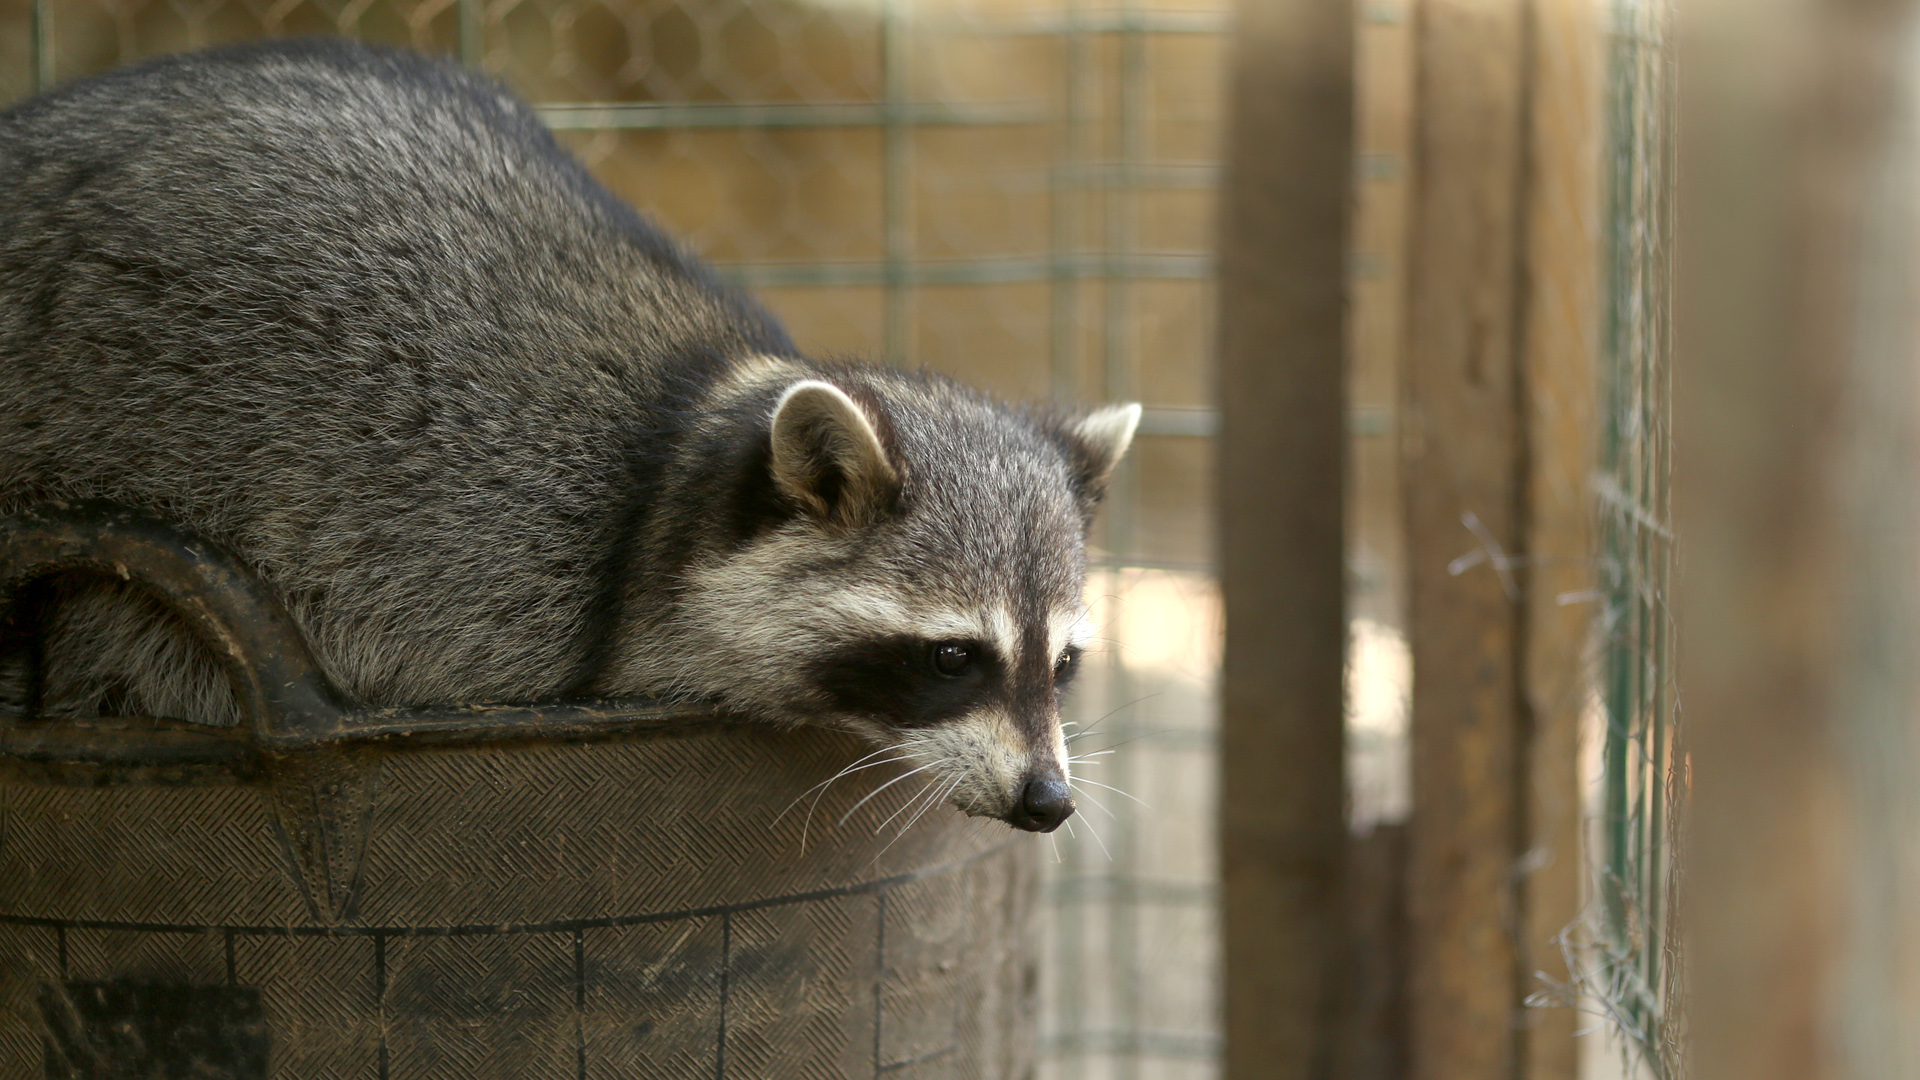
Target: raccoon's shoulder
column 241, row 122
column 280, row 85
column 306, row 172
column 364, row 124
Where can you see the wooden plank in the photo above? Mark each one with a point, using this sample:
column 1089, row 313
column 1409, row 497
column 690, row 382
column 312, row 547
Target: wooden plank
column 1373, row 1035
column 1462, row 443
column 1560, row 377
column 1282, row 450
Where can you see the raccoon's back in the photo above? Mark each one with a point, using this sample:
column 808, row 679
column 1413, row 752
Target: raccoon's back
column 354, row 315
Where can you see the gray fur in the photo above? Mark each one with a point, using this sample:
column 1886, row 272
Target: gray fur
column 486, row 434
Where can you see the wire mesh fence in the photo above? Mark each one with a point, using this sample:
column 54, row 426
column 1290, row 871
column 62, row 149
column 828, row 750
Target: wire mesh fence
column 1015, row 192
column 1637, row 957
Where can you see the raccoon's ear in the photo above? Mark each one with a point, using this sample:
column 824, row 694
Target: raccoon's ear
column 1095, row 444
column 828, row 457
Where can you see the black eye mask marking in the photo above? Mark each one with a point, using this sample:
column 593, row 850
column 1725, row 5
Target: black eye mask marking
column 906, row 681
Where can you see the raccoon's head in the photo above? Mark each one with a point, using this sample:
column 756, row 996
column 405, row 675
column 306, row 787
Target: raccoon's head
column 921, row 582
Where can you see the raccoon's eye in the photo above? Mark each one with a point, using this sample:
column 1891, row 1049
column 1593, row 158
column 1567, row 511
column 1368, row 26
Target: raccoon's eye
column 1065, row 666
column 952, row 659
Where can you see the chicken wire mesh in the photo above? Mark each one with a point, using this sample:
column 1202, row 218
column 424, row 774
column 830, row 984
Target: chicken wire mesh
column 1015, row 192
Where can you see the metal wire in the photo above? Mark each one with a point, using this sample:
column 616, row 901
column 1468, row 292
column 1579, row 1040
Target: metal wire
column 42, row 45
column 1633, row 489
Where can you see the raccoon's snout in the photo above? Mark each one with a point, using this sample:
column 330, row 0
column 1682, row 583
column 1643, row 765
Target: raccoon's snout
column 1044, row 804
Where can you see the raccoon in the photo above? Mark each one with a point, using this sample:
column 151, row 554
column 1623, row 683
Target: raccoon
column 488, row 435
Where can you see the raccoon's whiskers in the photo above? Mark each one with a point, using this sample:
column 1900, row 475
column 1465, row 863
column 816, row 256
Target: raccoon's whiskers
column 853, row 767
column 1109, row 787
column 930, row 788
column 1096, row 836
column 1138, row 737
column 878, row 790
column 942, row 793
column 1110, row 714
column 807, row 825
column 1090, row 798
column 945, row 794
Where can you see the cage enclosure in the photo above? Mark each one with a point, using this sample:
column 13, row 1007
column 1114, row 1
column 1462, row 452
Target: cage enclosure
column 514, row 892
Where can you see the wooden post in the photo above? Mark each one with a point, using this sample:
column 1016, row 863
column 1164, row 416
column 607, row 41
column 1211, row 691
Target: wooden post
column 1497, row 392
column 1559, row 381
column 1462, row 441
column 1282, row 450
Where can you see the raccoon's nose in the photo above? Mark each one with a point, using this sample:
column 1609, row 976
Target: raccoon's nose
column 1044, row 803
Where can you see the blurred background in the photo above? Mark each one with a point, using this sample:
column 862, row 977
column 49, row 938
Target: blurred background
column 1393, row 627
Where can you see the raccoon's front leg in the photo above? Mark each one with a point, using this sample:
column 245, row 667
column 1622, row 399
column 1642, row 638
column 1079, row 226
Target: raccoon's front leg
column 107, row 648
